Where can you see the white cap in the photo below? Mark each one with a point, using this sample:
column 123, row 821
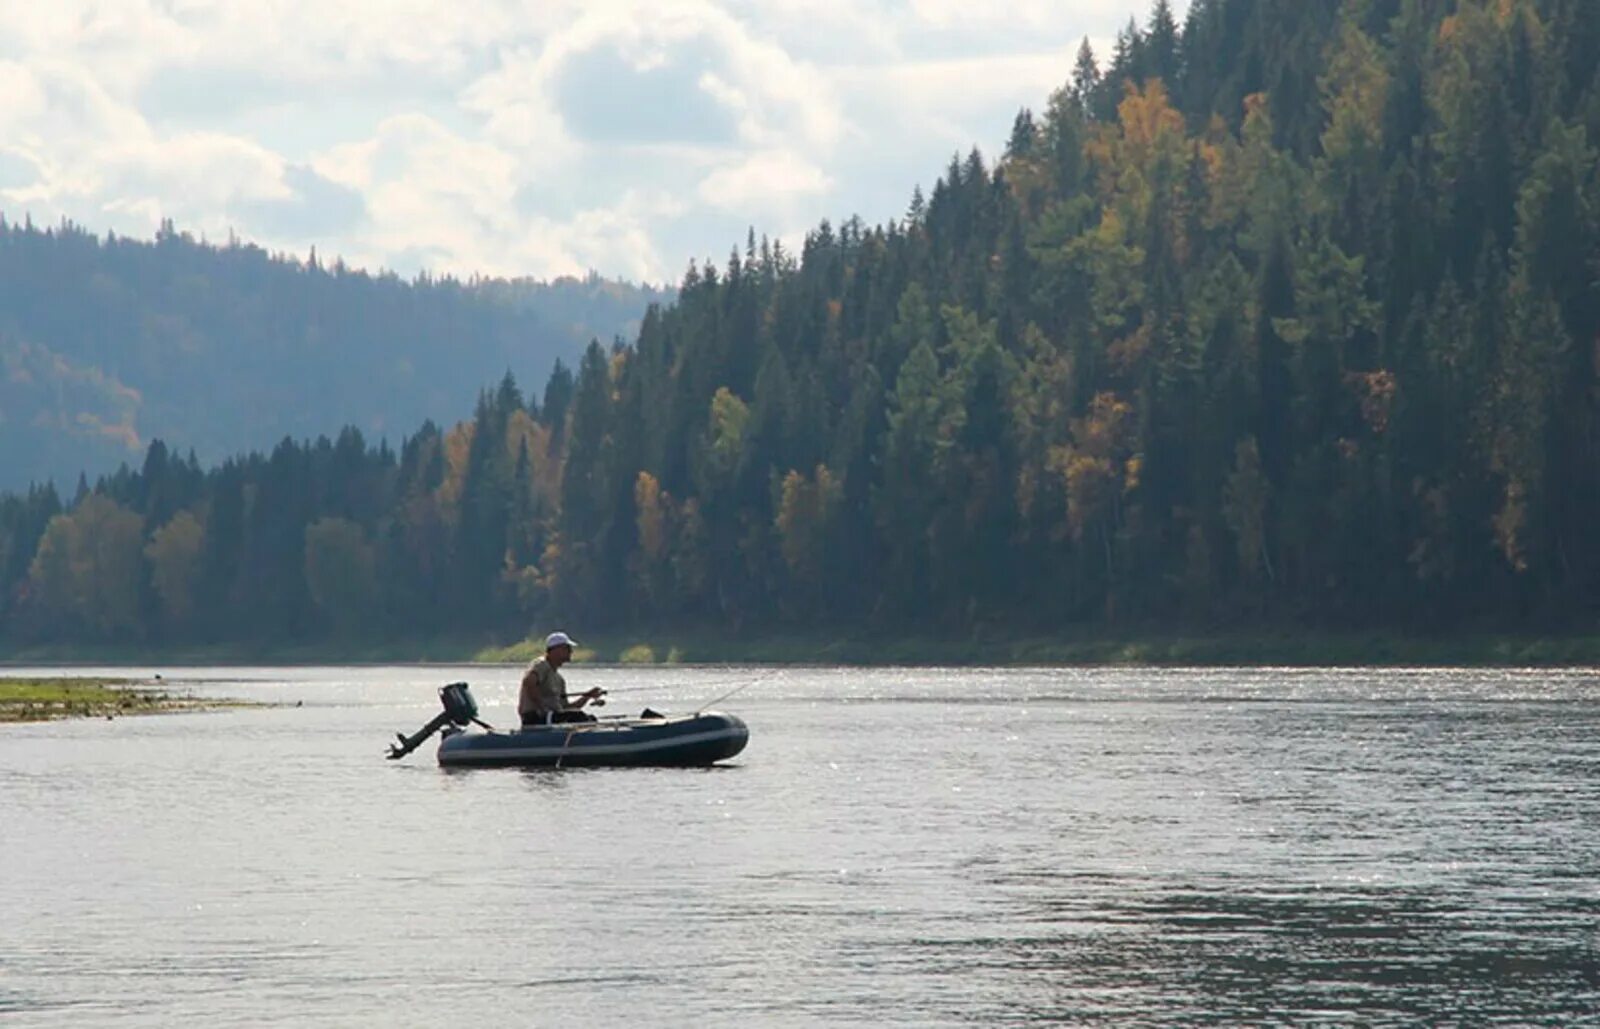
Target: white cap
column 558, row 639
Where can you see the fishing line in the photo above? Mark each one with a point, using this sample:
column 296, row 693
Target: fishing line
column 736, row 689
column 696, row 683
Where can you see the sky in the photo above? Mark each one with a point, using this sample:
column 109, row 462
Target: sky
column 512, row 137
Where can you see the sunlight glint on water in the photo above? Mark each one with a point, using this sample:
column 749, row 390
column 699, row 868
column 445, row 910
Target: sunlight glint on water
column 929, row 846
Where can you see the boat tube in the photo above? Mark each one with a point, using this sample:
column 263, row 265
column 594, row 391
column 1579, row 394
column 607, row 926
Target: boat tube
column 700, row 739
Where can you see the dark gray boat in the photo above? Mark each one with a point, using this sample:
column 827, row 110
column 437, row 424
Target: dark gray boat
column 702, row 738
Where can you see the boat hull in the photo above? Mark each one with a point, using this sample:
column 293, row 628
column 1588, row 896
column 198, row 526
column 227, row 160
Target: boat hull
column 689, row 741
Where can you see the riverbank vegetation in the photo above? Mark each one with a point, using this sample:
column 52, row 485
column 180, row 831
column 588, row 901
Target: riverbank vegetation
column 1286, row 317
column 710, row 645
column 39, row 700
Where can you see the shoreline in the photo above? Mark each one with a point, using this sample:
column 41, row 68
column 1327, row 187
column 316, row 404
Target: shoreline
column 52, row 700
column 700, row 647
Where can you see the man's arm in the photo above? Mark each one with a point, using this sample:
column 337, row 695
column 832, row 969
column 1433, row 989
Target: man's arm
column 577, row 703
column 527, row 697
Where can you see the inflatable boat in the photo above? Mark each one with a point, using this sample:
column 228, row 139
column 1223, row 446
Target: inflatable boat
column 702, row 738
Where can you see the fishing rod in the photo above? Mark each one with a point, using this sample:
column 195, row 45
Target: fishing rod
column 719, row 681
column 744, row 684
column 737, row 689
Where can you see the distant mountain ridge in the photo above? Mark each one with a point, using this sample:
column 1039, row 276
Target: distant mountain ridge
column 107, row 343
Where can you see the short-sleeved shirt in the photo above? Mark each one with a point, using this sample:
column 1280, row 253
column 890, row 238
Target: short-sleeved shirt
column 544, row 691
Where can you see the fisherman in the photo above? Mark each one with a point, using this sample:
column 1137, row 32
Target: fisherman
column 544, row 692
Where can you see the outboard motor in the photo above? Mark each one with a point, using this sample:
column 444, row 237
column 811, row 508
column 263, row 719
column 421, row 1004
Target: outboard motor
column 458, row 703
column 459, row 709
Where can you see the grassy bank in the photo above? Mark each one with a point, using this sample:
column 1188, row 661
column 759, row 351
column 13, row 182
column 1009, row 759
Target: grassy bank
column 707, row 645
column 1287, row 648
column 40, row 700
column 443, row 649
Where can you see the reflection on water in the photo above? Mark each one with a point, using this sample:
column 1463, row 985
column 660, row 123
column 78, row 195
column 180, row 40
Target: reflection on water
column 1226, row 954
column 895, row 846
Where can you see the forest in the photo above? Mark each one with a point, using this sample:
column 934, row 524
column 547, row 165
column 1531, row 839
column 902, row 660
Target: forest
column 1286, row 314
column 109, row 343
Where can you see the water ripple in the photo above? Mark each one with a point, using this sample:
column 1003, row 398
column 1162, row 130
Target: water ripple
column 897, row 846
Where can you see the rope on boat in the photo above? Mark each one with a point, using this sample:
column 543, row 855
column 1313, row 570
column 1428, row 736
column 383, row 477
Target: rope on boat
column 564, row 744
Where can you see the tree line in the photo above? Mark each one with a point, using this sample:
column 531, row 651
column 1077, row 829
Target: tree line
column 109, row 342
column 1288, row 313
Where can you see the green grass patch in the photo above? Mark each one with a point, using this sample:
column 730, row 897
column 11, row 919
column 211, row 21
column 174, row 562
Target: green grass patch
column 520, row 653
column 705, row 643
column 1080, row 647
column 39, row 700
column 638, row 654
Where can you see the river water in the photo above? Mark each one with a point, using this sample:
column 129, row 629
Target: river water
column 925, row 847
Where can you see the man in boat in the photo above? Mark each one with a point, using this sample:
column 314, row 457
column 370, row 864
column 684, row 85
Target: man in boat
column 544, row 696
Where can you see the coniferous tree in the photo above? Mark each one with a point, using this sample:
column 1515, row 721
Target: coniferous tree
column 1286, row 317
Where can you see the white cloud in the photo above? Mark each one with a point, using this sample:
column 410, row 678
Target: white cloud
column 510, row 136
column 618, row 237
column 426, row 187
column 942, row 102
column 771, row 94
column 763, row 180
column 1019, row 15
column 24, row 97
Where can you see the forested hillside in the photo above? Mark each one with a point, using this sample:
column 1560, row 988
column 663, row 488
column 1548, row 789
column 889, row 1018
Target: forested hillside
column 1288, row 314
column 108, row 344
